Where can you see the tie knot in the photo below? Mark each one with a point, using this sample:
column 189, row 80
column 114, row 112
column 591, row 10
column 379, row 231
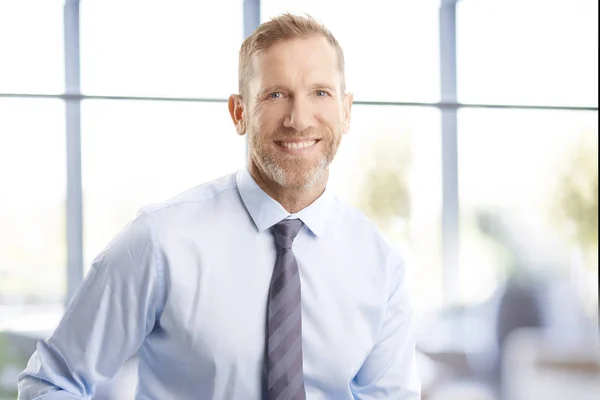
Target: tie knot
column 285, row 232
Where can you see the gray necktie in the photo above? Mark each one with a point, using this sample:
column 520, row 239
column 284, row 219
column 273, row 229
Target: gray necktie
column 285, row 380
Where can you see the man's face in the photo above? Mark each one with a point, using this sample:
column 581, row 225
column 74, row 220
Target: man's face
column 295, row 113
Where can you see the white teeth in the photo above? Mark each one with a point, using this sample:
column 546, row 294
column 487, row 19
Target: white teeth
column 300, row 145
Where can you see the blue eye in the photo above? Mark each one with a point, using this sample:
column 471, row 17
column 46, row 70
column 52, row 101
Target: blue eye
column 275, row 95
column 322, row 93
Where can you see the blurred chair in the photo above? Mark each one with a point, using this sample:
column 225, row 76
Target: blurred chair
column 540, row 365
column 462, row 391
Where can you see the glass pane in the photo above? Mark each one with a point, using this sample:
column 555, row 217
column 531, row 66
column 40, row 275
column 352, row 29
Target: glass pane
column 32, row 207
column 389, row 167
column 31, row 46
column 137, row 153
column 528, row 278
column 391, row 47
column 528, row 52
column 160, row 48
column 32, row 229
column 529, row 202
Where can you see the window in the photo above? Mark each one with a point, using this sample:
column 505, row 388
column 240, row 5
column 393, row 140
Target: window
column 32, row 205
column 529, row 199
column 136, row 153
column 31, row 46
column 535, row 52
column 176, row 48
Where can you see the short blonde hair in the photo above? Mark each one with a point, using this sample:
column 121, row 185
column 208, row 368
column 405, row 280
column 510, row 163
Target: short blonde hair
column 284, row 27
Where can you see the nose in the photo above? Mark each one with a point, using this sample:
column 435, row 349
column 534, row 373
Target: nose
column 300, row 115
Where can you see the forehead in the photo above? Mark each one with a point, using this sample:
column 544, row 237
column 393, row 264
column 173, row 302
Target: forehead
column 297, row 61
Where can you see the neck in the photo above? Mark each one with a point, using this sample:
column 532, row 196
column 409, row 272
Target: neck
column 292, row 199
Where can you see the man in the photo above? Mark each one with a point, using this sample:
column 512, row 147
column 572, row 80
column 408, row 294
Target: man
column 258, row 285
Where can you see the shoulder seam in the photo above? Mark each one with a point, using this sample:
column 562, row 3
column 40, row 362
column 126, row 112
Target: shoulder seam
column 159, row 267
column 152, row 209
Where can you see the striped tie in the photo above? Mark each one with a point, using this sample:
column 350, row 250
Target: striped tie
column 285, row 380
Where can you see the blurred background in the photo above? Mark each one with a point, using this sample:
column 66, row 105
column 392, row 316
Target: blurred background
column 474, row 147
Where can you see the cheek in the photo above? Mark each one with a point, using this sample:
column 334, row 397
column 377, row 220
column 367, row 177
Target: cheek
column 267, row 121
column 331, row 119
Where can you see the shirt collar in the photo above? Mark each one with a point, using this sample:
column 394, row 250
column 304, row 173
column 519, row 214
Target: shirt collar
column 266, row 211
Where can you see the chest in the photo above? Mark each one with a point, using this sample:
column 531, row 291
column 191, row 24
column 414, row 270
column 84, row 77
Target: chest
column 216, row 310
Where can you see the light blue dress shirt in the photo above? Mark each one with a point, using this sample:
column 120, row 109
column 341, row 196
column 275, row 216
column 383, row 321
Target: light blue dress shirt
column 186, row 283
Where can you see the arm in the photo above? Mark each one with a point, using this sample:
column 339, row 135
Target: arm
column 390, row 370
column 105, row 323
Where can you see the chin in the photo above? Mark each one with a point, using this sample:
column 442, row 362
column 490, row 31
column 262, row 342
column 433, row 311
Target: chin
column 306, row 180
column 293, row 172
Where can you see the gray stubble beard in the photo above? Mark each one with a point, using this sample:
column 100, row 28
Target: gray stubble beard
column 277, row 172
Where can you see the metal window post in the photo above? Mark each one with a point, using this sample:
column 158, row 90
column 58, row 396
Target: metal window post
column 251, row 16
column 251, row 22
column 450, row 210
column 74, row 213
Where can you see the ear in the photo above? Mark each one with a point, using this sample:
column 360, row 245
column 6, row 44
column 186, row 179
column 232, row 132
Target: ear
column 236, row 110
column 347, row 112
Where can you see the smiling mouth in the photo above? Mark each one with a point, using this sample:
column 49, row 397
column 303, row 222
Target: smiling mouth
column 297, row 145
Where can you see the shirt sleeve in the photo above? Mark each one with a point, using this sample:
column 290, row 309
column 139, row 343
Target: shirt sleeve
column 390, row 369
column 106, row 322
